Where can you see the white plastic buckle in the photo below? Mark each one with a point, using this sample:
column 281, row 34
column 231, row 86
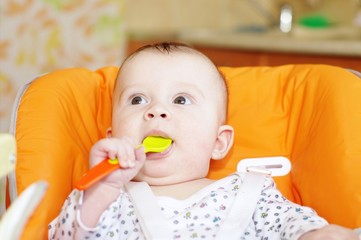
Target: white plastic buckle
column 274, row 166
column 259, row 170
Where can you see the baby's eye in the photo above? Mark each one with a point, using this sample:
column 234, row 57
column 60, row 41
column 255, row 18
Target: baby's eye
column 138, row 100
column 182, row 100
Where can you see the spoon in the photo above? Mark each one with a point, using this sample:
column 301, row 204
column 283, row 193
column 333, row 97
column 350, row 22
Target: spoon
column 151, row 144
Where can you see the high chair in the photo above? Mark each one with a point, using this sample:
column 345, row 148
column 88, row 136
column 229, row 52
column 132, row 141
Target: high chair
column 310, row 114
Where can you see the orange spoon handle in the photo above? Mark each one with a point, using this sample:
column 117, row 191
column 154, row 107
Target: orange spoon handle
column 96, row 173
column 150, row 143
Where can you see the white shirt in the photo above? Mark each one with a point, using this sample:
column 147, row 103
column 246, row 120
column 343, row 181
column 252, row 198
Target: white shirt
column 197, row 217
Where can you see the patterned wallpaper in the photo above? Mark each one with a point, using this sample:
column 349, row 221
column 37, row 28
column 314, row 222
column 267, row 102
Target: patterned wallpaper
column 37, row 36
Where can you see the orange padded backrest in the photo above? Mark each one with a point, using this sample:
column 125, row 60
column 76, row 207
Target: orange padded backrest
column 308, row 113
column 59, row 117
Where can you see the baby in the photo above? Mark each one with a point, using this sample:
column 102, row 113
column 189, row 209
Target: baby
column 173, row 91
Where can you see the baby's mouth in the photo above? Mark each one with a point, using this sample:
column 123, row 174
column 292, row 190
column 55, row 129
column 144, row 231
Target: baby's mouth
column 160, row 155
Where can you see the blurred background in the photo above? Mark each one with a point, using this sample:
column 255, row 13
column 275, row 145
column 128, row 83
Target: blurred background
column 38, row 36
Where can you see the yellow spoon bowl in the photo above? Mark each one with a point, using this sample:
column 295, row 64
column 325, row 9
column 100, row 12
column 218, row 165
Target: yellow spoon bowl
column 151, row 144
column 156, row 144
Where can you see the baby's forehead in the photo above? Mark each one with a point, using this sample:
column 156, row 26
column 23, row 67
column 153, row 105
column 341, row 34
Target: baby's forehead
column 184, row 60
column 187, row 60
column 183, row 63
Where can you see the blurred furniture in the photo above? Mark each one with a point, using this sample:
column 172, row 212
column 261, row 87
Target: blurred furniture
column 235, row 56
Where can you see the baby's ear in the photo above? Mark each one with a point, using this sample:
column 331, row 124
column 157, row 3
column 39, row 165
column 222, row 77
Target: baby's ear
column 224, row 142
column 109, row 132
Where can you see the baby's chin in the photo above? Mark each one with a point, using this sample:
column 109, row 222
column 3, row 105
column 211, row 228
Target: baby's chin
column 155, row 181
column 167, row 180
column 162, row 180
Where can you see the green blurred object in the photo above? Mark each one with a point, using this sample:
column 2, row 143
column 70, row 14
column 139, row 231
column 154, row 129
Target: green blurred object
column 315, row 21
column 7, row 153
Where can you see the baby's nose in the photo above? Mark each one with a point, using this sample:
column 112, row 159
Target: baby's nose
column 152, row 115
column 157, row 112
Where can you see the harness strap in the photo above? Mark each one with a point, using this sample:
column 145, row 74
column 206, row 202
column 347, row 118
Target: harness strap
column 154, row 224
column 243, row 206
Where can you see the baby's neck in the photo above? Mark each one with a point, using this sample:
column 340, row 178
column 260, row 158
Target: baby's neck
column 182, row 190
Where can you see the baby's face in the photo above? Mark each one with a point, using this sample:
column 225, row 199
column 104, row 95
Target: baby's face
column 178, row 96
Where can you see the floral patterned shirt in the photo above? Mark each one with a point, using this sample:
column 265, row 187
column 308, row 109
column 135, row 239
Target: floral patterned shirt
column 197, row 217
